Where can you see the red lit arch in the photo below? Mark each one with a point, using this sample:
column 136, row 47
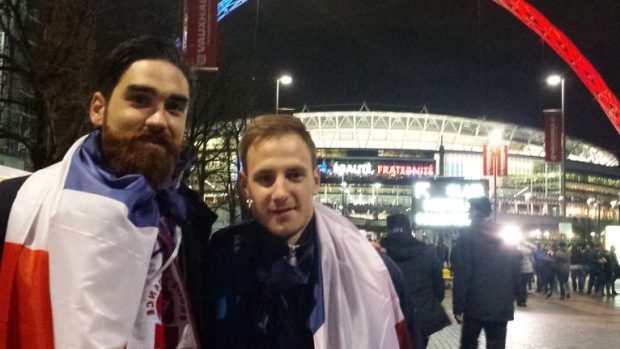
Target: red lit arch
column 564, row 47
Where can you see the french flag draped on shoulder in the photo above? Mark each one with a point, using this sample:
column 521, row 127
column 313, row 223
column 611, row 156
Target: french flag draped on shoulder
column 357, row 305
column 81, row 267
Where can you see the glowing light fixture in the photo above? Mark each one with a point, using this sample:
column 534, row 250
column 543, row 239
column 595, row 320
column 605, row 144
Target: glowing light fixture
column 511, row 234
column 284, row 80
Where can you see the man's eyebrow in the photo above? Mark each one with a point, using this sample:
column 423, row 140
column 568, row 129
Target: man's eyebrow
column 141, row 88
column 179, row 99
column 134, row 88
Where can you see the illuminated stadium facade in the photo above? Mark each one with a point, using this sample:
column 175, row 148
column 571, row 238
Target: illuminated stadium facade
column 369, row 161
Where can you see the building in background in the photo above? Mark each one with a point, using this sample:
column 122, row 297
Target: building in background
column 369, row 161
column 15, row 98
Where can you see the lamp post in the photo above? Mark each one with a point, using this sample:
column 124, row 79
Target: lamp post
column 285, row 80
column 343, row 197
column 595, row 203
column 555, row 80
column 495, row 142
column 375, row 188
column 615, row 204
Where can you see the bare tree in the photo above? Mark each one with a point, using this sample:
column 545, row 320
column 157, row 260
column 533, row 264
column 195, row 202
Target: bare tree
column 221, row 107
column 48, row 61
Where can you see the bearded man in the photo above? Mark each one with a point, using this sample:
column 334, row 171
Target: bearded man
column 93, row 254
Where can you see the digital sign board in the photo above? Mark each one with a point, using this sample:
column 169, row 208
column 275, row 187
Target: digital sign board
column 379, row 169
column 443, row 202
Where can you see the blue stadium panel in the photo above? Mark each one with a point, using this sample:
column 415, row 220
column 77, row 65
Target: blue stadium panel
column 225, row 7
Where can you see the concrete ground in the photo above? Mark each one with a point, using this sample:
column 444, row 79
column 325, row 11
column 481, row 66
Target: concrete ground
column 581, row 322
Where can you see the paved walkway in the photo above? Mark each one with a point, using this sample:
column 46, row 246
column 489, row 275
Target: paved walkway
column 580, row 322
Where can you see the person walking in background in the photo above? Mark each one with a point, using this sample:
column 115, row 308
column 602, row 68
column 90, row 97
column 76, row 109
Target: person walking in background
column 596, row 262
column 538, row 255
column 615, row 269
column 562, row 259
column 578, row 269
column 527, row 271
column 486, row 278
column 606, row 272
column 549, row 267
column 422, row 273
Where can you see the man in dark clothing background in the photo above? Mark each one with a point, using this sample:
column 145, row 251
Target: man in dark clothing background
column 422, row 273
column 486, row 274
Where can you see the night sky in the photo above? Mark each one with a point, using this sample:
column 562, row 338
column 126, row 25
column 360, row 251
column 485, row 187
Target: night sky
column 469, row 58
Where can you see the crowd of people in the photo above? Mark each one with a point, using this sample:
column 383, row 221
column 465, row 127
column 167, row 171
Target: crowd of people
column 592, row 270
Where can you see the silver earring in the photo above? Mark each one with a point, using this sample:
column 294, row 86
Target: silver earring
column 249, row 202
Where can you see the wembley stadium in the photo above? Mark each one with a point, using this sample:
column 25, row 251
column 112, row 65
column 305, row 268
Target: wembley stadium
column 370, row 162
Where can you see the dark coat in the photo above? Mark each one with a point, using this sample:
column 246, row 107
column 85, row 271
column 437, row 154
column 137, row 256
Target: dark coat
column 423, row 279
column 8, row 192
column 196, row 230
column 232, row 272
column 250, row 299
column 486, row 275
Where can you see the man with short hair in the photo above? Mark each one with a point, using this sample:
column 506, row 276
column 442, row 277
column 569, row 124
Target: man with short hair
column 298, row 275
column 486, row 277
column 92, row 250
column 422, row 273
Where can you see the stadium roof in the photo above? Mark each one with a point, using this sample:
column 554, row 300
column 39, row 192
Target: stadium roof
column 424, row 131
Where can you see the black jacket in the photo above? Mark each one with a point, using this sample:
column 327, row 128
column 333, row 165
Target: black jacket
column 423, row 279
column 253, row 297
column 8, row 192
column 486, row 274
column 235, row 279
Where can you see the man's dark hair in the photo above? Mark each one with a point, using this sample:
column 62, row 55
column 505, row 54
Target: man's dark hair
column 482, row 204
column 398, row 223
column 125, row 54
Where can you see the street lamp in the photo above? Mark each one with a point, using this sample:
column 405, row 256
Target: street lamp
column 555, row 80
column 285, row 80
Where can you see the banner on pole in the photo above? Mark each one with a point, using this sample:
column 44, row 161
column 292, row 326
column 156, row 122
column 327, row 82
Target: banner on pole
column 553, row 135
column 201, row 33
column 495, row 158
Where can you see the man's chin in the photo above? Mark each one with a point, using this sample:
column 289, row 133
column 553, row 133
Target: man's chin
column 285, row 231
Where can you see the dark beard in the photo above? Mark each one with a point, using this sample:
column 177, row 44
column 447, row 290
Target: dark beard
column 134, row 152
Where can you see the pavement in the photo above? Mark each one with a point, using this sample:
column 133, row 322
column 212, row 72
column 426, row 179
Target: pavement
column 581, row 322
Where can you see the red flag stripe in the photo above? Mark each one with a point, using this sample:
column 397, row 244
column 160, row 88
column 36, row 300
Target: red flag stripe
column 24, row 276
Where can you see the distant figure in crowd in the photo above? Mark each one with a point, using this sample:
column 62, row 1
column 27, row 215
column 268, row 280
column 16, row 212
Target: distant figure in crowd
column 486, row 277
column 578, row 270
column 596, row 260
column 422, row 273
column 606, row 273
column 298, row 275
column 549, row 271
column 538, row 255
column 527, row 271
column 562, row 259
column 615, row 269
column 99, row 252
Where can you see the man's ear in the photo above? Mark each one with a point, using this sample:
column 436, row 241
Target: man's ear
column 316, row 176
column 243, row 183
column 97, row 109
